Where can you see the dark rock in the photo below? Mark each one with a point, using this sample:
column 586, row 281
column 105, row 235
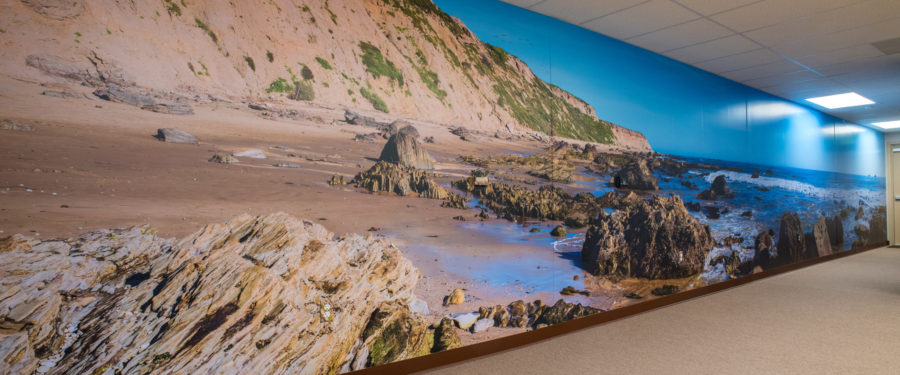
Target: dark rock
column 428, row 139
column 878, row 226
column 791, row 240
column 571, row 291
column 176, row 108
column 223, row 159
column 534, row 230
column 403, row 149
column 637, row 176
column 693, row 206
column 172, row 135
column 463, row 133
column 835, row 232
column 445, row 336
column 655, row 239
column 559, row 231
column 664, row 290
column 712, row 212
column 862, row 236
column 561, row 312
column 719, row 189
column 764, row 249
column 367, row 138
column 60, row 94
column 632, row 295
column 337, row 180
column 747, row 214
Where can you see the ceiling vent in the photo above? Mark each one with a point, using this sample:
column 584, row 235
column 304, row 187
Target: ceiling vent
column 889, row 47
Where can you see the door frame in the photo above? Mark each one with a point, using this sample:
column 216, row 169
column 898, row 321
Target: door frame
column 890, row 195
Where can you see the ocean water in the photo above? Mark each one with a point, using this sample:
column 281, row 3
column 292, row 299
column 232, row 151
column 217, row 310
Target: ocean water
column 774, row 191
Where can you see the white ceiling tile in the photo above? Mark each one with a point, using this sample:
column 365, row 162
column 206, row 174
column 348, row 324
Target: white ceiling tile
column 713, row 49
column 740, row 61
column 860, row 52
column 835, row 20
column 838, row 40
column 641, row 19
column 784, row 79
column 709, row 7
column 771, row 12
column 765, row 70
column 579, row 11
column 685, row 34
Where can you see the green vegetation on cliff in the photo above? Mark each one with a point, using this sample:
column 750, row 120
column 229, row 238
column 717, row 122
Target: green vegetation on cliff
column 373, row 98
column 377, row 65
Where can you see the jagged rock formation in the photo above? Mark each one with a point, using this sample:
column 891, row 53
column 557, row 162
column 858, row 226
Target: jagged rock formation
column 655, row 239
column 404, row 149
column 534, row 315
column 400, row 180
column 637, row 175
column 547, row 202
column 405, row 57
column 269, row 294
column 719, row 189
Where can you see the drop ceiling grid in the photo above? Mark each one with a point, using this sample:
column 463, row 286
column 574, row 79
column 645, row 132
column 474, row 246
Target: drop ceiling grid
column 766, row 44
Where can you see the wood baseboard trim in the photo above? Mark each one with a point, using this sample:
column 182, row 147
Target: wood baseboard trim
column 509, row 342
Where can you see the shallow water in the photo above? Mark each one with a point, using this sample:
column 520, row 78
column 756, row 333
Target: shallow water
column 553, row 265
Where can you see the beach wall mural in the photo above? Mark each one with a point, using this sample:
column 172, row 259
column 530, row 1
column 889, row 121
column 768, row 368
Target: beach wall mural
column 325, row 186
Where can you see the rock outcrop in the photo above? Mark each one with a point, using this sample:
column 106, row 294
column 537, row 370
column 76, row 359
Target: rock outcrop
column 878, row 226
column 172, row 135
column 791, row 240
column 862, row 236
column 269, row 294
column 655, row 239
column 835, row 227
column 522, row 314
column 765, row 253
column 400, row 180
column 636, row 176
column 818, row 242
column 719, row 189
column 404, row 149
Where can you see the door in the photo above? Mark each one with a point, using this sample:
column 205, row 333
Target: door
column 895, row 194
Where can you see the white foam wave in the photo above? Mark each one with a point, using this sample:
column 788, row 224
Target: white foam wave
column 797, row 186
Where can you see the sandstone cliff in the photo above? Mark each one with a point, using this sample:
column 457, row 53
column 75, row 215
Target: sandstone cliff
column 405, row 57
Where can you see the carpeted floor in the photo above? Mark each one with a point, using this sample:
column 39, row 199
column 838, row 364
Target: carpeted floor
column 838, row 317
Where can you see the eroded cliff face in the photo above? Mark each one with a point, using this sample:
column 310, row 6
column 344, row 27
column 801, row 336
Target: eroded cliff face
column 269, row 294
column 405, row 57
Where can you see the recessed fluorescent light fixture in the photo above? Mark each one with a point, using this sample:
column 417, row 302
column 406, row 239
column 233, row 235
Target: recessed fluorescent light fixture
column 888, row 124
column 850, row 99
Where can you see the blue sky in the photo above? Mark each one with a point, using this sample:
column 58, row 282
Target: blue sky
column 680, row 109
